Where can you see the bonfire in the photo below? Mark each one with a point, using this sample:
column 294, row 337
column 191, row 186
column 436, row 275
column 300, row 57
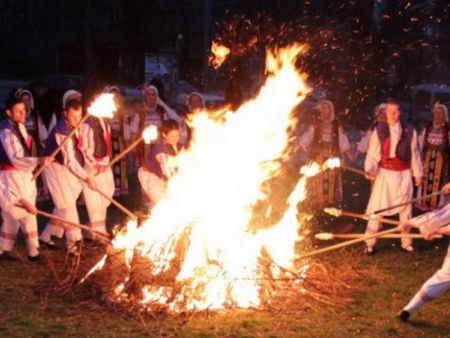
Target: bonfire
column 200, row 248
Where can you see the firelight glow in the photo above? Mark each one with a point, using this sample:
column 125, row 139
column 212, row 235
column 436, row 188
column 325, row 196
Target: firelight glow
column 198, row 236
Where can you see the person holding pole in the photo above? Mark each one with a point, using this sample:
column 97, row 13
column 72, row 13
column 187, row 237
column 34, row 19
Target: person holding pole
column 16, row 173
column 158, row 168
column 432, row 224
column 96, row 147
column 393, row 158
column 64, row 177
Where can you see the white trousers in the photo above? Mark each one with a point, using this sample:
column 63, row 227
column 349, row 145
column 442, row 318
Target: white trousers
column 10, row 227
column 97, row 205
column 153, row 186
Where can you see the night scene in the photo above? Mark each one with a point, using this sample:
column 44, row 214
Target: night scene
column 219, row 168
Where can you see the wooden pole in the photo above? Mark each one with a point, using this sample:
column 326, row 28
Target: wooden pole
column 41, row 169
column 409, row 202
column 81, row 226
column 329, row 236
column 125, row 151
column 353, row 169
column 339, row 212
column 117, row 204
column 347, row 243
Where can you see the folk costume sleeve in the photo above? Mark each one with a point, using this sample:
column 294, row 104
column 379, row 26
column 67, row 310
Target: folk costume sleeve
column 416, row 159
column 15, row 152
column 373, row 155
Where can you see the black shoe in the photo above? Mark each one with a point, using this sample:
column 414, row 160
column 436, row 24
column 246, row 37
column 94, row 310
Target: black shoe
column 37, row 258
column 49, row 245
column 403, row 315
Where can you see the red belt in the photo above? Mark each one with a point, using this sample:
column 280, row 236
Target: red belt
column 5, row 166
column 394, row 164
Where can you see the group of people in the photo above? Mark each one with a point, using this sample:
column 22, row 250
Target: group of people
column 76, row 158
column 397, row 158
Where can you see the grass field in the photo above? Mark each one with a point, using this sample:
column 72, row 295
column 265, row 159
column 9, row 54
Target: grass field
column 32, row 303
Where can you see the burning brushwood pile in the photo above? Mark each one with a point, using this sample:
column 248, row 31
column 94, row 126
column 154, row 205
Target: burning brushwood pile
column 198, row 250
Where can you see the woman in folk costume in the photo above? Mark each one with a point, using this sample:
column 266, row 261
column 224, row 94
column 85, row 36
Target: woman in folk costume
column 159, row 166
column 432, row 223
column 327, row 140
column 65, row 178
column 36, row 128
column 119, row 129
column 16, row 173
column 393, row 159
column 194, row 104
column 96, row 146
column 435, row 145
column 156, row 111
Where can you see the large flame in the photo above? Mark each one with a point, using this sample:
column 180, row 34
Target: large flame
column 199, row 233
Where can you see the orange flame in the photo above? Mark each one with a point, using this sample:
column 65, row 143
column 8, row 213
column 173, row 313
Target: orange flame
column 103, row 106
column 199, row 233
column 219, row 54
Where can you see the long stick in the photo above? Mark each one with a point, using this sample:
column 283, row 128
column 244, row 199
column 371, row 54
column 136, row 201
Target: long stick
column 81, row 226
column 117, row 204
column 125, row 151
column 329, row 236
column 355, row 170
column 410, row 201
column 339, row 212
column 72, row 132
column 347, row 243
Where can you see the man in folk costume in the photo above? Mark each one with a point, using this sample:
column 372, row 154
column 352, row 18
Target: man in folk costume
column 97, row 149
column 16, row 173
column 68, row 95
column 327, row 140
column 36, row 128
column 64, row 178
column 435, row 145
column 431, row 223
column 393, row 157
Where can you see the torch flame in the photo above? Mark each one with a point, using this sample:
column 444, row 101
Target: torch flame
column 150, row 134
column 103, row 106
column 198, row 234
column 219, row 54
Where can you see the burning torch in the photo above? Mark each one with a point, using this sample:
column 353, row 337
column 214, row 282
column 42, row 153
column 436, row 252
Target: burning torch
column 148, row 135
column 103, row 106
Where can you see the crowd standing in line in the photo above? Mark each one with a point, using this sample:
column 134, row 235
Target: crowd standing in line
column 397, row 158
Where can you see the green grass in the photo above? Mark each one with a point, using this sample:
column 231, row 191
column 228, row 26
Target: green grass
column 32, row 305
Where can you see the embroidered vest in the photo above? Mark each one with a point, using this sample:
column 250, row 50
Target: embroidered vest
column 318, row 143
column 50, row 146
column 102, row 138
column 402, row 159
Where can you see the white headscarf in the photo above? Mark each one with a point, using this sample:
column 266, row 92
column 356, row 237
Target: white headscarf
column 68, row 94
column 444, row 108
column 21, row 92
column 327, row 103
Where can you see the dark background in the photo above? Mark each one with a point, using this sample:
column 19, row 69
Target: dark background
column 360, row 51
